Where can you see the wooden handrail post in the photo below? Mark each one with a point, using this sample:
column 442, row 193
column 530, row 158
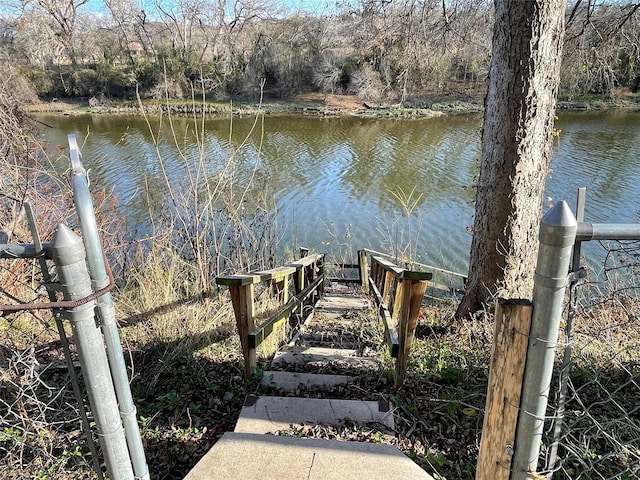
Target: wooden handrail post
column 309, row 275
column 242, row 291
column 409, row 297
column 242, row 298
column 389, row 277
column 380, row 281
column 320, row 274
column 364, row 270
column 299, row 282
column 281, row 289
column 506, row 375
column 376, row 273
column 395, row 299
column 398, row 294
column 381, row 276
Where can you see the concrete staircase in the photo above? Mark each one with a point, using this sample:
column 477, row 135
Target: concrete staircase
column 325, row 346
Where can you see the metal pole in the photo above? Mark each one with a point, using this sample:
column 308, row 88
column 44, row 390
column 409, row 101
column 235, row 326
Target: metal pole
column 69, row 256
column 106, row 309
column 22, row 250
column 363, row 270
column 64, row 341
column 608, row 231
column 557, row 236
column 563, row 381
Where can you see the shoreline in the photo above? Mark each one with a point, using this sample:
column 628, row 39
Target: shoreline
column 313, row 104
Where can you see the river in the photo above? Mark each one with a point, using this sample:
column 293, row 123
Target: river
column 339, row 182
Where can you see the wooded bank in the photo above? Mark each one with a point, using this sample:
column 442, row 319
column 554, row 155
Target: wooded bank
column 383, row 52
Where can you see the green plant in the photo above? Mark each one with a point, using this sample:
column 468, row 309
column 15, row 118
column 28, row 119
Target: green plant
column 437, row 460
column 171, row 399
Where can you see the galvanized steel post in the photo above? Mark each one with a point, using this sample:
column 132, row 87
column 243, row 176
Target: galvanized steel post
column 69, row 257
column 106, row 309
column 557, row 236
column 563, row 380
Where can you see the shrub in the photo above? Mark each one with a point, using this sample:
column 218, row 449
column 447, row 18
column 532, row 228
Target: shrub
column 40, row 81
column 83, row 82
column 367, row 85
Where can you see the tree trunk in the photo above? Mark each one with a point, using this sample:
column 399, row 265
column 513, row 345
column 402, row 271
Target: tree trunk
column 517, row 137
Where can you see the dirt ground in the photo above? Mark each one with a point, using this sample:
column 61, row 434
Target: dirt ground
column 345, row 103
column 327, row 104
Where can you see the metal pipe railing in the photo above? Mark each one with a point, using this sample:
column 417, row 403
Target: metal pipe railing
column 106, row 310
column 557, row 236
column 21, row 250
column 64, row 341
column 69, row 257
column 607, row 231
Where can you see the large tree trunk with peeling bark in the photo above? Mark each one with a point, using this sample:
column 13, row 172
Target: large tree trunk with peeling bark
column 517, row 137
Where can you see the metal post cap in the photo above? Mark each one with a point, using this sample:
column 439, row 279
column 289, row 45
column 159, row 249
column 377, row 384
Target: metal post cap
column 66, row 246
column 558, row 227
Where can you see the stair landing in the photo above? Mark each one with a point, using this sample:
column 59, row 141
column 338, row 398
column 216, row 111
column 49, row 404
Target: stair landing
column 249, row 456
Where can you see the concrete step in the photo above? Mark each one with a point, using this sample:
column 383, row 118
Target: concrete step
column 291, row 382
column 300, row 355
column 270, row 414
column 243, row 456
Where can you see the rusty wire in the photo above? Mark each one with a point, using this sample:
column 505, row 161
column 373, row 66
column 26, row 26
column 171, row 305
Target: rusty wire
column 66, row 304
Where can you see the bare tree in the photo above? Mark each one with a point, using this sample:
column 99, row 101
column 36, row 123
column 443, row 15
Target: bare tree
column 602, row 48
column 129, row 19
column 62, row 16
column 420, row 45
column 33, row 42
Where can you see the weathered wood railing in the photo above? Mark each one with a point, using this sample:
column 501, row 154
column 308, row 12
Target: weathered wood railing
column 346, row 269
column 443, row 285
column 304, row 276
column 398, row 294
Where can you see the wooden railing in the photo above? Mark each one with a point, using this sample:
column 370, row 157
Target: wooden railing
column 292, row 286
column 444, row 285
column 398, row 294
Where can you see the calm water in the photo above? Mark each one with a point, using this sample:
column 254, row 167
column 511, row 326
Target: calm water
column 332, row 177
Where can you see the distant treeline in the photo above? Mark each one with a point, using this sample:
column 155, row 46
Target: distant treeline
column 380, row 50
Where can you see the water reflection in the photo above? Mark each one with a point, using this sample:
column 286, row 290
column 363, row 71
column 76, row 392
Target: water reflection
column 599, row 151
column 331, row 177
